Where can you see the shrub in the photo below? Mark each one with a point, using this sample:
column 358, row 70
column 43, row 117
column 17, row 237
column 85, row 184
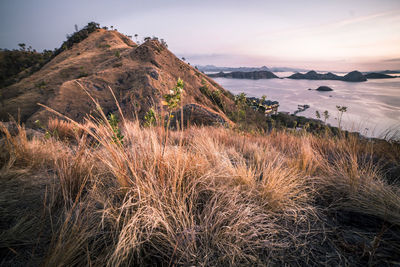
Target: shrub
column 117, row 137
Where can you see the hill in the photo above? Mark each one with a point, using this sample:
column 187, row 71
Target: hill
column 139, row 75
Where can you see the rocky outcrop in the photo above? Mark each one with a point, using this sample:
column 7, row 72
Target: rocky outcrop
column 354, row 76
column 375, row 75
column 255, row 75
column 324, row 89
column 194, row 114
column 13, row 129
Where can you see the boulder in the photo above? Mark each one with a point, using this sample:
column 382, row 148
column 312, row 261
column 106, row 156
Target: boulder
column 13, row 130
column 324, row 89
column 194, row 114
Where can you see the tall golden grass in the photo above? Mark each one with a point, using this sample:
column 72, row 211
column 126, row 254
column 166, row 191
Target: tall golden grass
column 204, row 197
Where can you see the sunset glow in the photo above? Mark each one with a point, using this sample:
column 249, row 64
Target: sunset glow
column 338, row 35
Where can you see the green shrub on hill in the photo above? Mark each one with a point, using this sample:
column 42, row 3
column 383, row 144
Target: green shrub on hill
column 15, row 61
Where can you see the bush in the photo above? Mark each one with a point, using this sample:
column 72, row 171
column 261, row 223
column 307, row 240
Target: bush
column 12, row 62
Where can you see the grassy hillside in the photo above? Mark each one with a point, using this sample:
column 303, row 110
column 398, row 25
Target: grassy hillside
column 203, row 196
column 139, row 74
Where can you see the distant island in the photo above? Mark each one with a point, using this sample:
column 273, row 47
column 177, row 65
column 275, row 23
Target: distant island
column 354, row 76
column 212, row 68
column 376, row 75
column 255, row 75
column 389, row 71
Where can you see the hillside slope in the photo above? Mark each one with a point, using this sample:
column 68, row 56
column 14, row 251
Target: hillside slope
column 139, row 76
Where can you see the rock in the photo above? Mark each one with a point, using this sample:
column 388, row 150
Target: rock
column 354, row 76
column 324, row 89
column 195, row 114
column 13, row 130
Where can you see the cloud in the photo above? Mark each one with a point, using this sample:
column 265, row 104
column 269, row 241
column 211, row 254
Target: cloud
column 392, row 60
column 366, row 18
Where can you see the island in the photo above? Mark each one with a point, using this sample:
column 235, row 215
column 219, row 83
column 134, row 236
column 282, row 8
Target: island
column 354, row 76
column 376, row 75
column 255, row 75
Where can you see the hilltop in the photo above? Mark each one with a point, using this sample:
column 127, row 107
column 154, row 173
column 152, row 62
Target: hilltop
column 139, row 75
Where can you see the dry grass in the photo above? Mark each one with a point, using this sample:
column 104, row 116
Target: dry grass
column 206, row 197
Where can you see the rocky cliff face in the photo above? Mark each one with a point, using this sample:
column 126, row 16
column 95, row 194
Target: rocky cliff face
column 255, row 75
column 138, row 75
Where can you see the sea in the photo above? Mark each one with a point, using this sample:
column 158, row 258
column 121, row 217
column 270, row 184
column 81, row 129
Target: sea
column 373, row 107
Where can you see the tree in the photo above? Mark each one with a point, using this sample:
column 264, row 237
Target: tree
column 260, row 106
column 326, row 116
column 164, row 43
column 240, row 101
column 22, row 45
column 76, row 27
column 341, row 110
column 317, row 114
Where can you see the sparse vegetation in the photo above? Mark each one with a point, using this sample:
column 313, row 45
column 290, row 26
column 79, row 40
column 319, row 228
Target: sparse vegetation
column 104, row 46
column 41, row 84
column 214, row 96
column 326, row 116
column 341, row 110
column 78, row 36
column 82, row 74
column 150, row 119
column 117, row 137
column 13, row 62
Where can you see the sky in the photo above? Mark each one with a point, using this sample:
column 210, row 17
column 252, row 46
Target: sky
column 335, row 35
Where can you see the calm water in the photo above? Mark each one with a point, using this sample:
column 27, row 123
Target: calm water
column 373, row 107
